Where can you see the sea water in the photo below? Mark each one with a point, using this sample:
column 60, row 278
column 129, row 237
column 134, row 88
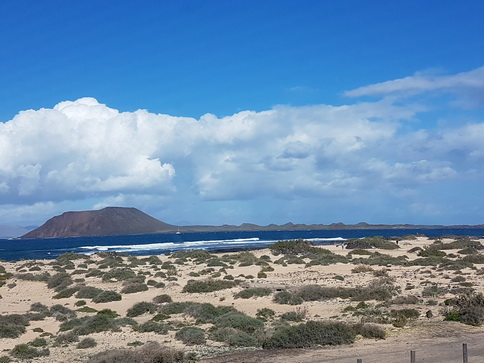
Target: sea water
column 152, row 244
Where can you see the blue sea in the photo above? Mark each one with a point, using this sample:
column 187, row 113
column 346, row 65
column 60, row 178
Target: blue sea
column 18, row 249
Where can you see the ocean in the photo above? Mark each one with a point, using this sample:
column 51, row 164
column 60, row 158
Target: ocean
column 152, row 244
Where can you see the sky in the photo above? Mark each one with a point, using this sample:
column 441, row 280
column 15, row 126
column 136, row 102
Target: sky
column 243, row 111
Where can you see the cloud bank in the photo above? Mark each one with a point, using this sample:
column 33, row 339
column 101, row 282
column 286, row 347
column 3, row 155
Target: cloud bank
column 82, row 154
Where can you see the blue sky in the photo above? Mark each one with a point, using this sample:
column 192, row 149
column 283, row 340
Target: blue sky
column 214, row 112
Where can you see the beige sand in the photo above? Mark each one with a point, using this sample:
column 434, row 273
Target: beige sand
column 18, row 295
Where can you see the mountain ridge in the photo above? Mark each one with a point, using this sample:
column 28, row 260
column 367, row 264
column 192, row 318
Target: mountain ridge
column 112, row 221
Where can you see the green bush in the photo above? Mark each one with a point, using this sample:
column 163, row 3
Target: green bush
column 253, row 292
column 86, row 343
column 191, row 335
column 371, row 242
column 175, row 308
column 107, row 296
column 133, row 288
column 200, row 286
column 265, row 314
column 297, row 315
column 60, row 312
column 39, row 307
column 44, row 277
column 88, row 292
column 163, row 298
column 59, row 281
column 13, row 325
column 240, row 321
column 89, row 325
column 66, row 338
column 467, row 308
column 205, row 312
column 287, row 298
column 140, row 309
column 369, row 331
column 311, row 334
column 11, row 330
column 148, row 353
column 67, row 292
column 153, row 326
column 108, row 312
column 25, row 351
column 234, row 337
column 291, row 247
column 38, row 342
column 118, row 274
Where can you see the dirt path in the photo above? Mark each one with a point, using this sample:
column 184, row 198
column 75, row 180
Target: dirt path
column 433, row 343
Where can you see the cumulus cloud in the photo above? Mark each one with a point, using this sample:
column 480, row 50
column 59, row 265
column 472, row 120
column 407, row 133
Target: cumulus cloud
column 83, row 150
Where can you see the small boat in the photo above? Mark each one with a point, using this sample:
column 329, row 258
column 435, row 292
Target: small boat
column 178, row 232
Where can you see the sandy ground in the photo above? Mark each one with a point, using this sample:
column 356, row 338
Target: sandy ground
column 432, row 339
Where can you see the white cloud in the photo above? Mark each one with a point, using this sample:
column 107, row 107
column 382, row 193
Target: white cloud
column 468, row 86
column 83, row 150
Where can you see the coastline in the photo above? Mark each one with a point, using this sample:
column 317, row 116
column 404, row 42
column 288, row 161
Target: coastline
column 19, row 294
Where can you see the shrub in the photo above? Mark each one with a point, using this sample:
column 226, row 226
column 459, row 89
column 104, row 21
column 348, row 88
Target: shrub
column 89, row 325
column 38, row 342
column 234, row 337
column 86, row 309
column 107, row 296
column 310, row 334
column 431, row 251
column 59, row 281
column 67, row 292
column 153, row 326
column 287, row 298
column 292, row 247
column 207, row 285
column 369, row 331
column 407, row 313
column 265, row 314
column 66, row 338
column 174, row 308
column 133, row 288
column 238, row 321
column 24, row 351
column 467, row 308
column 119, row 274
column 108, row 312
column 191, row 335
column 371, row 242
column 297, row 315
column 150, row 352
column 140, row 309
column 88, row 292
column 86, row 343
column 11, row 330
column 61, row 312
column 405, row 300
column 94, row 273
column 163, row 298
column 253, row 292
column 205, row 312
column 39, row 307
column 44, row 277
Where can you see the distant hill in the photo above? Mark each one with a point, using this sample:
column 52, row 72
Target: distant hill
column 109, row 221
column 115, row 221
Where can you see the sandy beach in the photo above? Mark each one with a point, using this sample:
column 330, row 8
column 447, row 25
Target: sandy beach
column 30, row 287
